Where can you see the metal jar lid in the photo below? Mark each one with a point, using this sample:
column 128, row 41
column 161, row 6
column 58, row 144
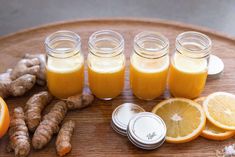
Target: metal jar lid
column 146, row 130
column 215, row 68
column 122, row 115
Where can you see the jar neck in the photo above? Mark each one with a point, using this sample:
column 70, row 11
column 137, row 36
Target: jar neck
column 63, row 44
column 106, row 43
column 193, row 45
column 151, row 45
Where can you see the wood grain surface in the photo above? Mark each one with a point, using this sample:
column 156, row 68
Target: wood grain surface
column 93, row 135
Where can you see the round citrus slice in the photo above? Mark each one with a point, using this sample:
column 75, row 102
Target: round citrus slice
column 184, row 118
column 4, row 117
column 220, row 110
column 213, row 132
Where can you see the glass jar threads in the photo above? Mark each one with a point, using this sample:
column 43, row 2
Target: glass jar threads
column 149, row 64
column 65, row 64
column 106, row 64
column 189, row 64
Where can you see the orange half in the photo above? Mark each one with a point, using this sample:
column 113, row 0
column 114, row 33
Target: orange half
column 184, row 118
column 213, row 132
column 4, row 118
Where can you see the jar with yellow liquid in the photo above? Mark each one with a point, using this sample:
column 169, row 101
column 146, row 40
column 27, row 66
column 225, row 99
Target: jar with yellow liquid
column 106, row 64
column 189, row 65
column 65, row 64
column 149, row 64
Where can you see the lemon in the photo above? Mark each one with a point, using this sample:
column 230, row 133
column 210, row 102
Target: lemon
column 220, row 110
column 213, row 132
column 184, row 118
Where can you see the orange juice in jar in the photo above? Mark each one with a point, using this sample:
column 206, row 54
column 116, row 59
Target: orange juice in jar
column 65, row 64
column 189, row 64
column 106, row 64
column 149, row 65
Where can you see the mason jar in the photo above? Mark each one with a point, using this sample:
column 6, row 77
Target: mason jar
column 189, row 64
column 65, row 64
column 106, row 64
column 149, row 64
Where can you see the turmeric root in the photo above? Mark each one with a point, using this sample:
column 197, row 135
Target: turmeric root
column 49, row 125
column 63, row 145
column 25, row 66
column 34, row 107
column 18, row 134
column 17, row 87
column 41, row 75
column 51, row 121
column 79, row 101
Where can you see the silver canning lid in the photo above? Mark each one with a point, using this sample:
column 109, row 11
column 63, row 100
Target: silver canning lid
column 122, row 115
column 146, row 130
column 215, row 68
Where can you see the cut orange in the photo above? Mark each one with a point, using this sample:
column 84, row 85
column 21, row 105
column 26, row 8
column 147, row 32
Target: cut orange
column 220, row 110
column 4, row 117
column 184, row 118
column 213, row 132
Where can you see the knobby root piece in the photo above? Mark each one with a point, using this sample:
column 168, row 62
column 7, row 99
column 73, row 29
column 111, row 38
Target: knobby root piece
column 25, row 66
column 34, row 107
column 79, row 101
column 22, row 84
column 18, row 134
column 5, row 82
column 17, row 87
column 49, row 125
column 41, row 75
column 63, row 141
column 20, row 79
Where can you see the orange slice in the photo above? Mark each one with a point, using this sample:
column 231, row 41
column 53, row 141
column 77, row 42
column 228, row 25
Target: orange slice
column 4, row 117
column 213, row 132
column 220, row 110
column 184, row 118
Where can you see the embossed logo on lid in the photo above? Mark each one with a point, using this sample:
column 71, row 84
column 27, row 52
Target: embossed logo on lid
column 146, row 130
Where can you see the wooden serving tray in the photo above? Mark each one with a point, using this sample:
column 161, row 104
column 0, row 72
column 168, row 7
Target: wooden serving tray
column 93, row 135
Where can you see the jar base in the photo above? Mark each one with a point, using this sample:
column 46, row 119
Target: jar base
column 144, row 98
column 187, row 97
column 106, row 99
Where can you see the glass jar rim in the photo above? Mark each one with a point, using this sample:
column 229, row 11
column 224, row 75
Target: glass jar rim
column 103, row 53
column 63, row 33
column 156, row 35
column 205, row 50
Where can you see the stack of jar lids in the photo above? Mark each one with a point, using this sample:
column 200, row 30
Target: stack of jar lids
column 122, row 115
column 145, row 130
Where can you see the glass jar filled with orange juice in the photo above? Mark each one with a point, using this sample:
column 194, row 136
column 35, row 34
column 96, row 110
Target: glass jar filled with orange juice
column 149, row 64
column 106, row 64
column 65, row 64
column 189, row 64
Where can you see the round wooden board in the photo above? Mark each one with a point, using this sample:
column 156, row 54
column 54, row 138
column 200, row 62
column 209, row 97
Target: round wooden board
column 93, row 135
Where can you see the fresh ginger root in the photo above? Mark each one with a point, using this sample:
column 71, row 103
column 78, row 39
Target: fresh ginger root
column 25, row 66
column 17, row 87
column 18, row 134
column 34, row 107
column 49, row 125
column 63, row 145
column 20, row 79
column 41, row 75
column 79, row 101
